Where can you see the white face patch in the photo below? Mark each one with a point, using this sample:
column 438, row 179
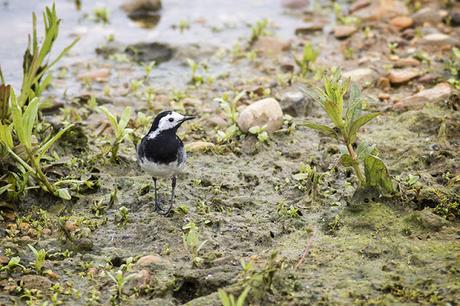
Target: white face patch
column 167, row 122
column 170, row 121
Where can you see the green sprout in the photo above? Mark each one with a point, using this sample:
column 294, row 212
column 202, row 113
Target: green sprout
column 39, row 261
column 453, row 66
column 310, row 178
column 12, row 264
column 230, row 107
column 309, row 56
column 260, row 132
column 148, row 68
column 229, row 299
column 197, row 79
column 119, row 128
column 122, row 218
column 101, row 14
column 192, row 242
column 258, row 29
column 347, row 121
column 120, row 281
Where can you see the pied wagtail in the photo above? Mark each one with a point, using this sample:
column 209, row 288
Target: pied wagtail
column 161, row 153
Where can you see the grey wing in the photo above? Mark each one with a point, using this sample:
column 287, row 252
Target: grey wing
column 181, row 156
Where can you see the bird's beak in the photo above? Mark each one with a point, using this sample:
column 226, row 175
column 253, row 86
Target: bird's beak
column 187, row 118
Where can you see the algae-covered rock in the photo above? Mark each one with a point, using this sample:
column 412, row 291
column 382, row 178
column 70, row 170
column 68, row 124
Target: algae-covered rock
column 426, row 219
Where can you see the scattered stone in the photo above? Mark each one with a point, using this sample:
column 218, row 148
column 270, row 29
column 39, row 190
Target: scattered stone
column 437, row 39
column 383, row 96
column 359, row 4
column 427, row 15
column 140, row 280
column 150, row 52
column 362, row 76
column 250, row 146
column 4, row 260
column 382, row 9
column 70, row 226
column 24, row 226
column 344, row 31
column 150, row 261
column 199, row 146
column 217, row 121
column 310, row 27
column 406, row 62
column 400, row 76
column 402, row 22
column 97, row 75
column 436, row 94
column 294, row 4
column 36, row 282
column 52, row 274
column 384, row 83
column 426, row 219
column 271, row 46
column 266, row 112
column 295, row 104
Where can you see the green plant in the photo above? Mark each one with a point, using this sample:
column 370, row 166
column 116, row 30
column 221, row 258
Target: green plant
column 309, row 56
column 258, row 29
column 119, row 128
column 230, row 106
column 309, row 179
column 260, row 132
column 148, row 68
column 192, row 242
column 196, row 79
column 12, row 263
column 229, row 299
column 22, row 128
column 453, row 67
column 123, row 216
column 120, row 281
column 39, row 258
column 347, row 120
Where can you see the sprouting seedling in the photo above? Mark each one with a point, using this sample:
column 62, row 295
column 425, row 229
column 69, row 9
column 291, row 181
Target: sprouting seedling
column 309, row 56
column 347, row 121
column 258, row 29
column 119, row 128
column 192, row 242
column 230, row 106
column 260, row 132
column 120, row 281
column 247, row 266
column 196, row 78
column 40, row 256
column 229, row 299
column 453, row 66
column 311, row 177
column 12, row 264
column 134, row 85
column 183, row 25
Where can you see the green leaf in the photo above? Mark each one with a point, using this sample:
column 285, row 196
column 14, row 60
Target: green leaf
column 6, row 135
column 44, row 148
column 377, row 174
column 324, row 129
column 124, row 118
column 364, row 150
column 223, row 296
column 63, row 193
column 358, row 123
column 242, row 297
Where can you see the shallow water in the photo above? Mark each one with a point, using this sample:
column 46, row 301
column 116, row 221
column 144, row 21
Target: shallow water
column 212, row 23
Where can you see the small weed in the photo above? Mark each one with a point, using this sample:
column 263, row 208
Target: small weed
column 122, row 218
column 40, row 256
column 260, row 132
column 13, row 263
column 309, row 56
column 119, row 128
column 120, row 281
column 258, row 29
column 101, row 14
column 192, row 243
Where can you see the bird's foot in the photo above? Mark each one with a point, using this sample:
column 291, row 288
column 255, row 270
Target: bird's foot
column 161, row 209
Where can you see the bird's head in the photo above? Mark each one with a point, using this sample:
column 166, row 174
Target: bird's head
column 168, row 120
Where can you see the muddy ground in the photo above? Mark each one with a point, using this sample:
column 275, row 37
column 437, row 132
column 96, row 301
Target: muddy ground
column 306, row 244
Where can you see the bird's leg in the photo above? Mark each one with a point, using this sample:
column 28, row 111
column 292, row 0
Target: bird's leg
column 171, row 200
column 157, row 201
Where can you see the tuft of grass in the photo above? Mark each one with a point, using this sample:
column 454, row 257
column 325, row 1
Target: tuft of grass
column 229, row 299
column 101, row 14
column 40, row 256
column 258, row 29
column 119, row 127
column 192, row 243
column 347, row 118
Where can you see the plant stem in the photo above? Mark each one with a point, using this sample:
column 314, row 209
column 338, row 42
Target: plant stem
column 355, row 163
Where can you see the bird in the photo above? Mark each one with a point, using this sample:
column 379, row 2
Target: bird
column 161, row 152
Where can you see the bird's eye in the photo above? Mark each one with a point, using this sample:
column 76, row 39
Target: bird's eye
column 171, row 119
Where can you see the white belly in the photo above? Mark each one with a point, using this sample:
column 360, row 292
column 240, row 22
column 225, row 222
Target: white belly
column 161, row 170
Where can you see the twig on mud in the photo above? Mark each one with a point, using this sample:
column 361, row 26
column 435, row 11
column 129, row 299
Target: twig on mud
column 307, row 249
